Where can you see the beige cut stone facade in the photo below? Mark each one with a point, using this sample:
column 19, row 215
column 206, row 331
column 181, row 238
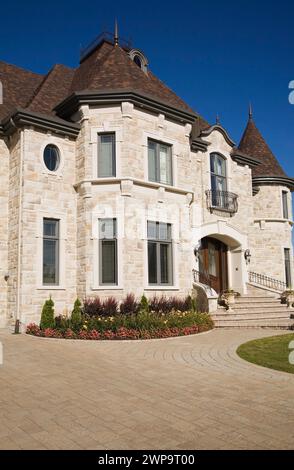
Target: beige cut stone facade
column 226, row 221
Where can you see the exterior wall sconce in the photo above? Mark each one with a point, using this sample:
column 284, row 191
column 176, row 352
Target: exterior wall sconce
column 247, row 256
column 196, row 250
column 6, row 277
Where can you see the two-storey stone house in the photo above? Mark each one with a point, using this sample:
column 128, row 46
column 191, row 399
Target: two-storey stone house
column 110, row 184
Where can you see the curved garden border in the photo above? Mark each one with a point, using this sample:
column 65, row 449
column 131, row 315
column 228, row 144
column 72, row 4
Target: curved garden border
column 121, row 334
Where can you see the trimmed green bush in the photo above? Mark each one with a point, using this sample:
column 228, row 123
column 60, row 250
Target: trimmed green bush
column 76, row 315
column 47, row 315
column 144, row 304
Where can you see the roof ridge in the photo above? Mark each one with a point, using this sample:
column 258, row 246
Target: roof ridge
column 20, row 68
column 45, row 78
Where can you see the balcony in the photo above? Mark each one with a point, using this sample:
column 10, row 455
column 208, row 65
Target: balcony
column 222, row 201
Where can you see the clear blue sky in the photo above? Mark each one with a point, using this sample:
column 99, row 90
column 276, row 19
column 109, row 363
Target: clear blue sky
column 216, row 55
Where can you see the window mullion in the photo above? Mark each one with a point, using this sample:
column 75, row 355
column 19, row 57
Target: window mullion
column 158, row 261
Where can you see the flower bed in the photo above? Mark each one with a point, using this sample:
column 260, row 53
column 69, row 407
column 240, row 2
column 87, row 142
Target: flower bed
column 157, row 318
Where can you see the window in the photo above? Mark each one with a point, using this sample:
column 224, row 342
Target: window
column 137, row 61
column 218, row 180
column 159, row 253
column 107, row 252
column 287, row 266
column 51, row 157
column 50, row 252
column 159, row 162
column 106, row 155
column 285, row 204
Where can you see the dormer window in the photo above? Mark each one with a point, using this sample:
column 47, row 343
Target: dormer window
column 139, row 59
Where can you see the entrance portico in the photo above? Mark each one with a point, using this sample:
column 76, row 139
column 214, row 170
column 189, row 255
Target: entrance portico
column 220, row 257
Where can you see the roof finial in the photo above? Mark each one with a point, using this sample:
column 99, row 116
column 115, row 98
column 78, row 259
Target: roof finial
column 217, row 119
column 115, row 33
column 250, row 111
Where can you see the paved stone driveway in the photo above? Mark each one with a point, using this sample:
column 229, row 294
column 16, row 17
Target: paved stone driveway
column 181, row 393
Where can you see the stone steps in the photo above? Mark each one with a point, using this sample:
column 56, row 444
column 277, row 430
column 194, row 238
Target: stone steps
column 250, row 316
column 282, row 323
column 258, row 308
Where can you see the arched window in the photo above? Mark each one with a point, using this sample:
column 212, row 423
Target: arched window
column 218, row 178
column 218, row 172
column 138, row 61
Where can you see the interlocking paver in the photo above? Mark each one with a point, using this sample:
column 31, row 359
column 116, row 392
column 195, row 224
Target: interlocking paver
column 184, row 393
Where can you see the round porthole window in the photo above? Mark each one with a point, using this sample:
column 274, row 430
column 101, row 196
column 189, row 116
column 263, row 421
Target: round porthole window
column 51, row 157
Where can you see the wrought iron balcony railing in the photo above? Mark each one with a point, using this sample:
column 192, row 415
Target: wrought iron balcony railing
column 266, row 281
column 222, row 200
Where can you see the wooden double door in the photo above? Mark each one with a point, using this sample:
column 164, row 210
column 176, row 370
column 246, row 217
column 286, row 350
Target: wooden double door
column 213, row 264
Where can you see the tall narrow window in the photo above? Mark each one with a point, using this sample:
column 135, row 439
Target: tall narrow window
column 285, row 204
column 287, row 266
column 218, row 178
column 50, row 252
column 107, row 252
column 159, row 253
column 159, row 162
column 106, row 155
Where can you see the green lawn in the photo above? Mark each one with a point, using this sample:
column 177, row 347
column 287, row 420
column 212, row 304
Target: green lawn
column 272, row 352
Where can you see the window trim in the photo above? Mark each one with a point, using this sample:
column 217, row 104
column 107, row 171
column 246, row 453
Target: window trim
column 51, row 214
column 58, row 145
column 287, row 269
column 213, row 174
column 114, row 155
column 56, row 238
column 100, row 243
column 158, row 243
column 285, row 205
column 157, row 166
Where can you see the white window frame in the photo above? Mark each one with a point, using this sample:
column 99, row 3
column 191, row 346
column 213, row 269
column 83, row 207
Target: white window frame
column 106, row 129
column 50, row 140
column 174, row 252
column 288, row 204
column 62, row 250
column 160, row 137
column 96, row 256
column 228, row 162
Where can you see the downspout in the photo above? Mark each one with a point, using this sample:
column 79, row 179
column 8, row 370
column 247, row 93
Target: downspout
column 19, row 247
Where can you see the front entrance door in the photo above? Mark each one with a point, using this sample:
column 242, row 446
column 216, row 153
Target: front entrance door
column 213, row 266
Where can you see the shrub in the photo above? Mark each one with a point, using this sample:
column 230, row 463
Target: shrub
column 76, row 316
column 62, row 322
column 47, row 316
column 109, row 308
column 144, row 304
column 92, row 307
column 129, row 305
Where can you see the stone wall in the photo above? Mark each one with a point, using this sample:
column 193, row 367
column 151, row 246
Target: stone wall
column 4, row 191
column 270, row 233
column 76, row 196
column 47, row 194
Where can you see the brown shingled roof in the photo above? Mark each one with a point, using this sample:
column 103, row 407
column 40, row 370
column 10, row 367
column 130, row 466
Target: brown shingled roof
column 52, row 90
column 110, row 67
column 252, row 143
column 18, row 87
column 107, row 67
